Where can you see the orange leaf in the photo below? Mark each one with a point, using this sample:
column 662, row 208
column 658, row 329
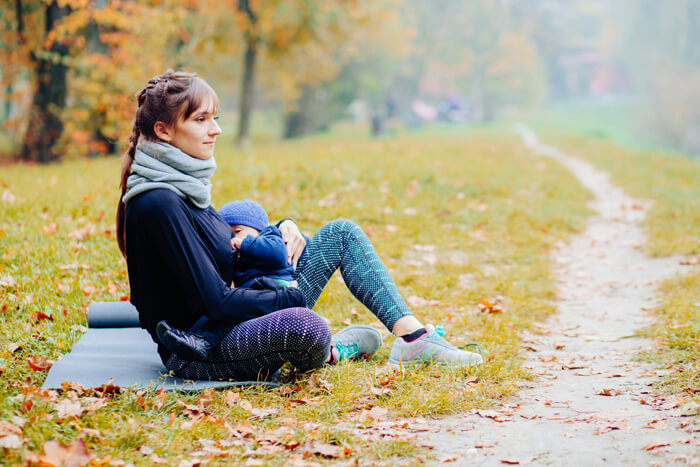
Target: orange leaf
column 73, row 454
column 39, row 363
column 323, row 449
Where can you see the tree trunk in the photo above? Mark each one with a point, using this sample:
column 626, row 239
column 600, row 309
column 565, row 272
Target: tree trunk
column 45, row 124
column 247, row 90
column 248, row 85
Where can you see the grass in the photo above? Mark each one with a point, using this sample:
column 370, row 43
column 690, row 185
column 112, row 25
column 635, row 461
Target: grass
column 672, row 225
column 457, row 217
column 615, row 119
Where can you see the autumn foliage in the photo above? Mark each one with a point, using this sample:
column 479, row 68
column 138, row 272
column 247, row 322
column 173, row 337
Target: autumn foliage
column 95, row 55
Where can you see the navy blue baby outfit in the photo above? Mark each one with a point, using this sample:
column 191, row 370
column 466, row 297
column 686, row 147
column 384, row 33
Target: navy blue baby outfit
column 263, row 256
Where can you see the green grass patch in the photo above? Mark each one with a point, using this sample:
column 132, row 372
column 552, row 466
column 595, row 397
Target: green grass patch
column 456, row 216
column 672, row 183
column 616, row 120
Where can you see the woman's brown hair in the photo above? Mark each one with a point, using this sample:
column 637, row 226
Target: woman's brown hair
column 166, row 98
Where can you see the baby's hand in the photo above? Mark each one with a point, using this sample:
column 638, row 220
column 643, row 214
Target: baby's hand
column 236, row 243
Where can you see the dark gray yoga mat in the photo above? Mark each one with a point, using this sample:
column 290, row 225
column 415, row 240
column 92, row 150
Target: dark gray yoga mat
column 115, row 347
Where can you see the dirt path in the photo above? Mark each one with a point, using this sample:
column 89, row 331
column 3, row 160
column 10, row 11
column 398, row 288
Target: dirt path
column 590, row 404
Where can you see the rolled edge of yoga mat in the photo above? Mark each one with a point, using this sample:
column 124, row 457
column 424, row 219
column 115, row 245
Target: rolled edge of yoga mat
column 113, row 315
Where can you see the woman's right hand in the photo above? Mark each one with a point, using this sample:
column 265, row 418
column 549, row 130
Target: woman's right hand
column 294, row 239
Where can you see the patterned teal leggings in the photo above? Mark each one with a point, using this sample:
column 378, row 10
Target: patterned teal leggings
column 341, row 244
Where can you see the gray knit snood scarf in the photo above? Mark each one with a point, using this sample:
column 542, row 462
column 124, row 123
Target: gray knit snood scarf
column 160, row 165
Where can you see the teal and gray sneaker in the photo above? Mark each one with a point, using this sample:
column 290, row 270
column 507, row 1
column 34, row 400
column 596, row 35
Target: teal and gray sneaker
column 431, row 348
column 355, row 341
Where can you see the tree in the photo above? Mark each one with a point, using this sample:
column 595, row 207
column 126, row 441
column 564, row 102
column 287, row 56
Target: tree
column 296, row 44
column 50, row 94
column 660, row 47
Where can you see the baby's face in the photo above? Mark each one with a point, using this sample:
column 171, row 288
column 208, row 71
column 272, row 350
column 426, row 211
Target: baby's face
column 242, row 231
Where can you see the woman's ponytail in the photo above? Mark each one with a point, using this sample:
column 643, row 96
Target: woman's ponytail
column 127, row 161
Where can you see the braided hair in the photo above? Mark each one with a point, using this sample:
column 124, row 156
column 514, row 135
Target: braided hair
column 167, row 98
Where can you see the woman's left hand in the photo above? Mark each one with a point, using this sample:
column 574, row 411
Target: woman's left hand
column 294, row 240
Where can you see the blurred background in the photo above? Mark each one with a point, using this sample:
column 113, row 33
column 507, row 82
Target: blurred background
column 624, row 69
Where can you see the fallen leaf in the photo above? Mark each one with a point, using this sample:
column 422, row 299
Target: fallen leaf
column 82, row 233
column 74, row 454
column 606, row 427
column 13, row 347
column 263, row 412
column 378, row 413
column 324, row 449
column 193, row 412
column 486, row 445
column 8, row 281
column 94, row 403
column 7, row 197
column 689, row 409
column 39, row 363
column 50, row 229
column 655, row 445
column 329, row 200
column 11, row 442
column 7, row 428
column 380, row 391
column 493, row 306
column 39, row 316
column 609, row 392
column 69, row 408
column 245, row 405
column 74, row 266
column 231, row 398
column 657, row 424
column 416, row 301
column 206, row 397
column 492, row 414
column 689, row 261
column 109, row 388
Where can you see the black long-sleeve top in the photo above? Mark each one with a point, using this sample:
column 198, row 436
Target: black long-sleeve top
column 180, row 264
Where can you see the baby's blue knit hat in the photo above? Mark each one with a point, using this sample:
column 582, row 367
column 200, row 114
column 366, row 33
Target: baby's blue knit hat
column 244, row 212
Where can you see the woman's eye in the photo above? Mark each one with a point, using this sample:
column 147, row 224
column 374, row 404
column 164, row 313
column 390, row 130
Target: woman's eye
column 216, row 118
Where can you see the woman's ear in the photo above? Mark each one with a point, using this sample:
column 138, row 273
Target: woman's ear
column 163, row 131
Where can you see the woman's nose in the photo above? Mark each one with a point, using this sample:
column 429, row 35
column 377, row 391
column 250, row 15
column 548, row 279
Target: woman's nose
column 215, row 129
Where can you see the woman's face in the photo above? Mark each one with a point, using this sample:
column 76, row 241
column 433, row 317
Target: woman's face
column 196, row 134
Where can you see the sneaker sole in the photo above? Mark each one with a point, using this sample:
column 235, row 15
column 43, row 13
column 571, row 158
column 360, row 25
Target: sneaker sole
column 433, row 361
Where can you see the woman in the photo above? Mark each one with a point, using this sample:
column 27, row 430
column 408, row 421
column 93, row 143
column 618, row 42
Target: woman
column 179, row 258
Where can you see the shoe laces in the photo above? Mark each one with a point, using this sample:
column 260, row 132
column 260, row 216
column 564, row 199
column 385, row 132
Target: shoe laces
column 440, row 331
column 435, row 330
column 346, row 351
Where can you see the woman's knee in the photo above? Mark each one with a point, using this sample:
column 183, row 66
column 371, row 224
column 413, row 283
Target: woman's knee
column 306, row 329
column 308, row 337
column 343, row 224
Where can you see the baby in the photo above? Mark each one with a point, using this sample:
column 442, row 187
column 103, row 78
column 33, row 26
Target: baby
column 260, row 262
column 261, row 250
